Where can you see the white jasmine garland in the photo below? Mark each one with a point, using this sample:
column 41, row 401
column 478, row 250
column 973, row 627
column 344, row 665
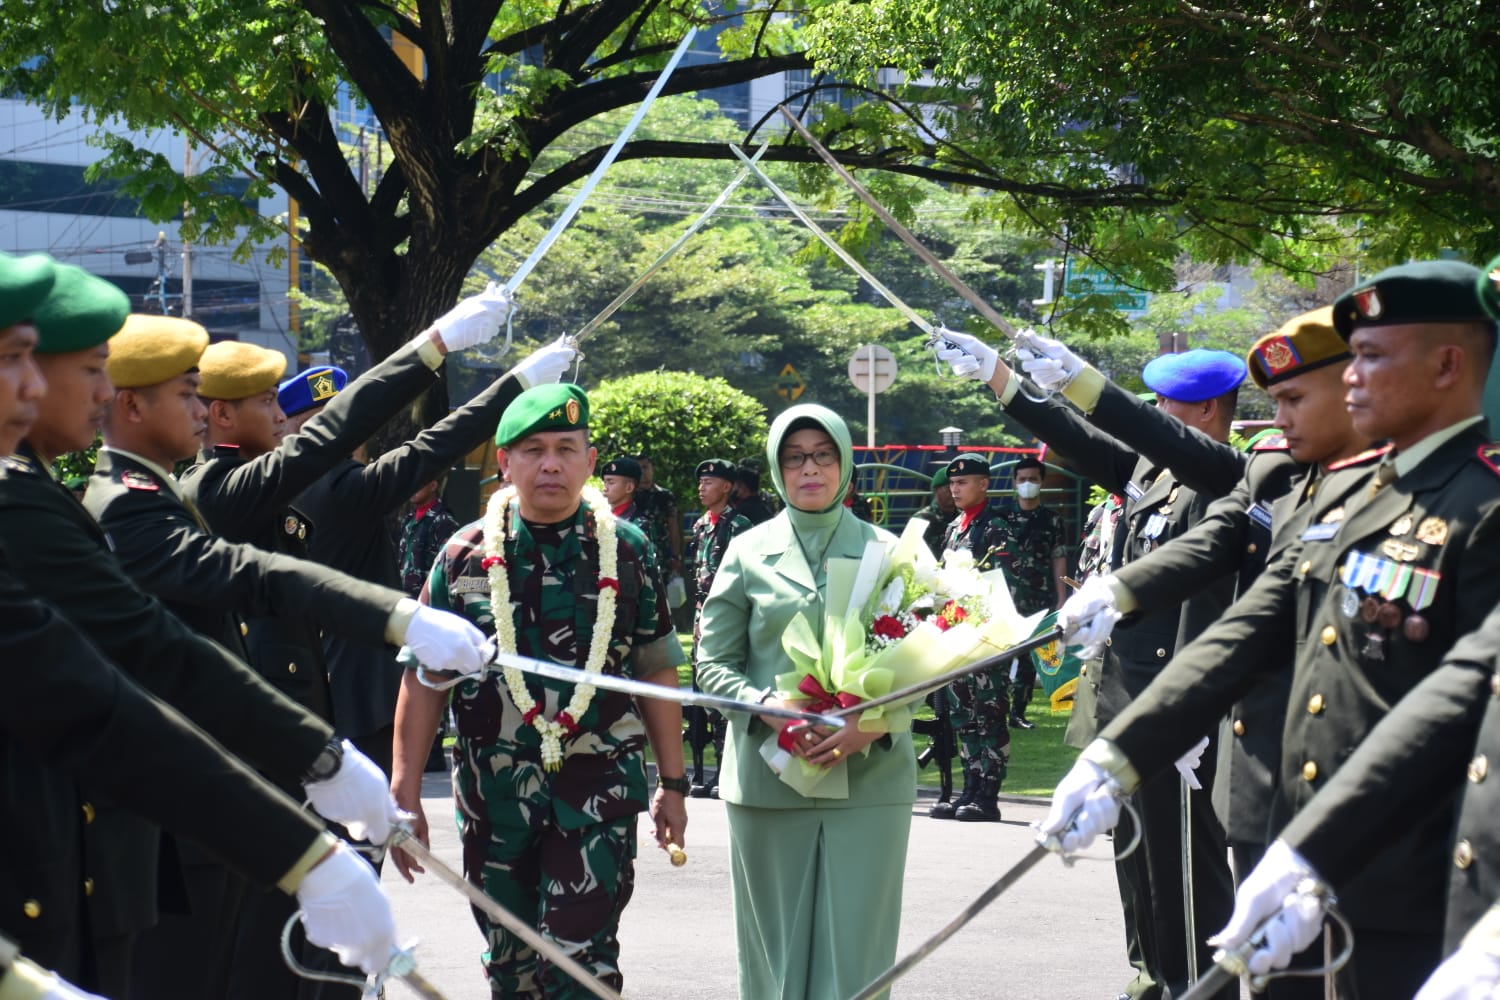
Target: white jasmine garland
column 496, row 527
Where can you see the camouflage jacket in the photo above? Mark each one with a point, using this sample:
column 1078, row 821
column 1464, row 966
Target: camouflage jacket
column 553, row 573
column 711, row 537
column 654, row 510
column 422, row 536
column 985, row 536
column 937, row 526
column 1033, row 539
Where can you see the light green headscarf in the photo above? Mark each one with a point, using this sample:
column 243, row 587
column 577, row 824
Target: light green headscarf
column 814, row 529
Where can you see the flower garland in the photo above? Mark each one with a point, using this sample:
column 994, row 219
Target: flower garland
column 496, row 531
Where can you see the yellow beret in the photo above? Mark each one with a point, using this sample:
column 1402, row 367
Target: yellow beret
column 1303, row 343
column 235, row 370
column 152, row 349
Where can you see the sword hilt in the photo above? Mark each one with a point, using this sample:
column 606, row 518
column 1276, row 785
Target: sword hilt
column 1054, row 841
column 1236, row 961
column 677, row 854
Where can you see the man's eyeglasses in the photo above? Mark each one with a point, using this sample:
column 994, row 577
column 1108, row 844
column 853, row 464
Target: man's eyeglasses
column 795, row 459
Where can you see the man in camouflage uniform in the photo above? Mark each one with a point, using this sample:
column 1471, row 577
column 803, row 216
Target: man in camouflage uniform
column 1034, row 563
column 554, row 845
column 656, row 515
column 718, row 523
column 621, row 478
column 423, row 533
column 983, row 700
column 939, row 513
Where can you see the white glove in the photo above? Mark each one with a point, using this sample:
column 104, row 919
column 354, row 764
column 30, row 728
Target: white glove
column 1187, row 764
column 1295, row 926
column 441, row 640
column 61, row 989
column 969, row 356
column 1089, row 615
column 1263, row 895
column 545, row 364
column 357, row 796
column 1085, row 804
column 475, row 319
column 1048, row 362
column 344, row 910
column 1467, row 974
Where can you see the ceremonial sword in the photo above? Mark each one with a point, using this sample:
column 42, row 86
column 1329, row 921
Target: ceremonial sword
column 638, row 689
column 402, row 966
column 670, row 251
column 1230, row 965
column 844, row 255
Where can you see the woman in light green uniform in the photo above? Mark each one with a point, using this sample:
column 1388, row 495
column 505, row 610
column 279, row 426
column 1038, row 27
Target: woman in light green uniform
column 817, row 881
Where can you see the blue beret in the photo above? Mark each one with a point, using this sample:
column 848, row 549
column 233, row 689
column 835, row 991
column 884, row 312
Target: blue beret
column 1193, row 376
column 310, row 388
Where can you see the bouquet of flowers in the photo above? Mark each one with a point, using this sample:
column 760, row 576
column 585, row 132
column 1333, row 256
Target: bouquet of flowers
column 894, row 618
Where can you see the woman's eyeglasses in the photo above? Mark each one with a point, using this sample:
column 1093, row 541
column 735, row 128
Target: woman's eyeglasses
column 795, row 459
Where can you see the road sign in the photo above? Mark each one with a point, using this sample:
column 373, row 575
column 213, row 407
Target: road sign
column 872, row 369
column 1091, row 280
column 789, row 384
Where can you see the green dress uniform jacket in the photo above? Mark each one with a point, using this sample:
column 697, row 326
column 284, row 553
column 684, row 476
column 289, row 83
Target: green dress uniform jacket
column 1235, row 534
column 1413, row 765
column 350, row 505
column 63, row 556
column 69, row 714
column 763, row 582
column 254, row 501
column 1440, row 519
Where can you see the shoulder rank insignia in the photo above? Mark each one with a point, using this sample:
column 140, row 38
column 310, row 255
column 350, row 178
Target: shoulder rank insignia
column 1489, row 454
column 19, row 463
column 1433, row 531
column 1362, row 457
column 1269, row 439
column 140, row 481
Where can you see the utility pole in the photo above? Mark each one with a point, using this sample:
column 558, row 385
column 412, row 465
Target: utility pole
column 161, row 271
column 187, row 248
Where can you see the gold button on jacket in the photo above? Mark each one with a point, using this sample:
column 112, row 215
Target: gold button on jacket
column 1479, row 768
column 1309, row 771
column 1315, row 705
column 1463, row 854
column 32, row 909
column 1329, row 635
column 1239, row 727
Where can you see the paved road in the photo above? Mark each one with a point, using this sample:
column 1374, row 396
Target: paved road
column 1055, row 936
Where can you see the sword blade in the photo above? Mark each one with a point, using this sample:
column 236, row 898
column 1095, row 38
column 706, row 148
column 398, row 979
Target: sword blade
column 833, row 244
column 968, row 294
column 943, row 680
column 1213, row 981
column 670, row 251
column 645, row 689
column 879, row 984
column 598, row 173
column 401, row 837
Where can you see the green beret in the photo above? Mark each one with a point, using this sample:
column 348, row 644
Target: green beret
column 940, row 478
column 971, row 464
column 24, row 285
column 81, row 311
column 1302, row 344
column 716, row 468
column 1429, row 291
column 627, row 467
column 151, row 349
column 1488, row 288
column 233, row 369
column 559, row 406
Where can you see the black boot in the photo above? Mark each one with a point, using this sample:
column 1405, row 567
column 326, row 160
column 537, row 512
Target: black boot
column 946, row 809
column 1019, row 699
column 985, row 806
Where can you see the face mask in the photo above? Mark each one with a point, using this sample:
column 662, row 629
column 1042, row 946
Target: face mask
column 1028, row 491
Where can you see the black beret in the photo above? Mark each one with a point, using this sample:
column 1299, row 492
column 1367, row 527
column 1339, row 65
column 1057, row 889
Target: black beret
column 716, row 467
column 1428, row 291
column 970, row 464
column 627, row 467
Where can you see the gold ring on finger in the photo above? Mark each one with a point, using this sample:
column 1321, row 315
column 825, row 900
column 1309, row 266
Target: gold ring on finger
column 837, row 753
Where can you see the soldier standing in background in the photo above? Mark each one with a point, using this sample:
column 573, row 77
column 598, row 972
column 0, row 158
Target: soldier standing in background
column 621, row 479
column 939, row 513
column 657, row 516
column 718, row 523
column 982, row 701
column 749, row 499
column 1035, row 563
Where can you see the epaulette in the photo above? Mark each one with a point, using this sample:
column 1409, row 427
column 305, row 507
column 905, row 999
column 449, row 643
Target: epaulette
column 20, row 463
column 226, row 451
column 1359, row 459
column 1489, row 454
column 1269, row 439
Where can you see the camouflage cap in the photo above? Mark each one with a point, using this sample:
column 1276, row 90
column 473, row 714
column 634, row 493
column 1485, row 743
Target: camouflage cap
column 152, row 349
column 1302, row 344
column 1428, row 291
column 970, row 464
column 718, row 468
column 313, row 387
column 233, row 370
column 24, row 284
column 80, row 312
column 560, row 406
column 627, row 467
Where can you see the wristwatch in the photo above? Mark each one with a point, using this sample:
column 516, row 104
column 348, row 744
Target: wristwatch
column 326, row 764
column 679, row 785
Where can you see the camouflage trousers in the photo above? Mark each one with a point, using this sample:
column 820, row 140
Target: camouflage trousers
column 981, row 712
column 571, row 884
